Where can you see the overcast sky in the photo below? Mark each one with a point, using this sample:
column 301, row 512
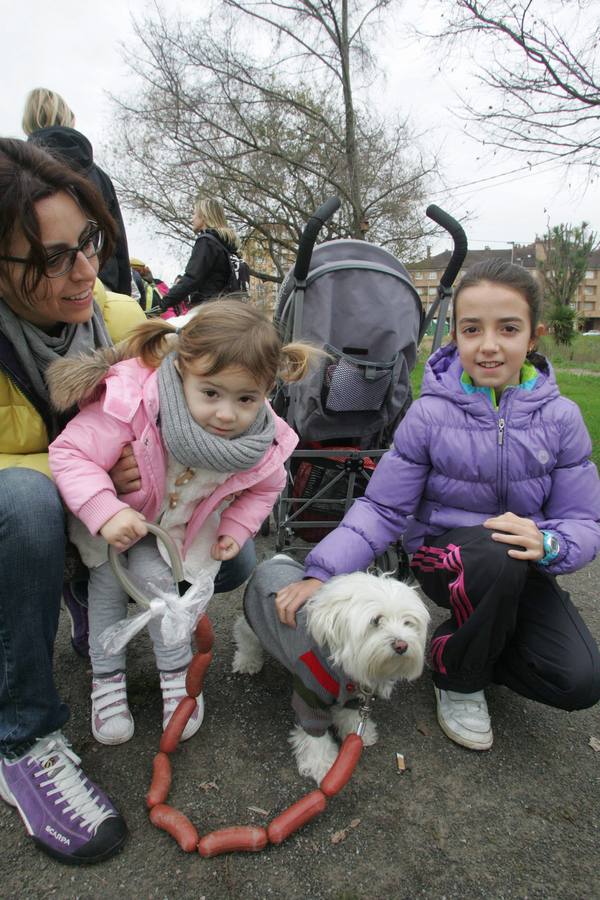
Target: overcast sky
column 75, row 49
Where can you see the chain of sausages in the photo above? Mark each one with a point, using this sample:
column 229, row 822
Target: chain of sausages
column 239, row 837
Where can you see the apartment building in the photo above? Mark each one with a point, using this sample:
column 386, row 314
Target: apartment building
column 427, row 272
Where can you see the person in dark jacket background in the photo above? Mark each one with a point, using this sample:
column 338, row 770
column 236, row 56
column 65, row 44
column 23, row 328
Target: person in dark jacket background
column 49, row 122
column 208, row 271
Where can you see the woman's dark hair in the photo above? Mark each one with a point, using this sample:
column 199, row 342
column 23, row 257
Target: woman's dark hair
column 497, row 271
column 27, row 175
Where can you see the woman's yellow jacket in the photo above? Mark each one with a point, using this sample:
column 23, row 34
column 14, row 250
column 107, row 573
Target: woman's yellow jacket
column 23, row 435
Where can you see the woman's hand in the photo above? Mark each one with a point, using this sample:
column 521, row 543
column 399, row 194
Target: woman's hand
column 124, row 529
column 125, row 474
column 511, row 529
column 225, row 548
column 289, row 599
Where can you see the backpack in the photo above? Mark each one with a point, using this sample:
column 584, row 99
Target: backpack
column 239, row 272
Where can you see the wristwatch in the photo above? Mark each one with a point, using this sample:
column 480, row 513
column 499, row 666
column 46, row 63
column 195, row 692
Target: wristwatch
column 551, row 548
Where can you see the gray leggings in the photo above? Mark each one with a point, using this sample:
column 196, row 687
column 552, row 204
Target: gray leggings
column 108, row 603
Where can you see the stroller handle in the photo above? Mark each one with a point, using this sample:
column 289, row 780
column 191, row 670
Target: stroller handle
column 456, row 232
column 309, row 235
column 124, row 579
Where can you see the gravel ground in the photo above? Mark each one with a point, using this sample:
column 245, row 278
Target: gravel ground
column 518, row 822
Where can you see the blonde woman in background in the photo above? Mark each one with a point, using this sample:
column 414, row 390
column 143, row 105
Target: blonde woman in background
column 208, row 271
column 49, row 122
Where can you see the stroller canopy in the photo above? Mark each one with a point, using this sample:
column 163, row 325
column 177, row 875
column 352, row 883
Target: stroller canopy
column 361, row 306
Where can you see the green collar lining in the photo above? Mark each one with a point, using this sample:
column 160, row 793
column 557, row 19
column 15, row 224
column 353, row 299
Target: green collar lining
column 527, row 379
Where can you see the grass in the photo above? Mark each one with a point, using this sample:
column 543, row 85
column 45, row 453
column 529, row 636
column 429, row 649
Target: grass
column 584, row 353
column 582, row 389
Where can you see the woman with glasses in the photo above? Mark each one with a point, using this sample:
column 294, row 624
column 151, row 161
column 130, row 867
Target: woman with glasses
column 55, row 232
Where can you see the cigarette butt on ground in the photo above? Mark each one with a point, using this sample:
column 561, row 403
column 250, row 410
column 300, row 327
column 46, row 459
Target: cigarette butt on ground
column 400, row 763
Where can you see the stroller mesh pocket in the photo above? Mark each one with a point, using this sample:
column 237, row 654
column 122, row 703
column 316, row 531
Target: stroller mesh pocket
column 355, row 385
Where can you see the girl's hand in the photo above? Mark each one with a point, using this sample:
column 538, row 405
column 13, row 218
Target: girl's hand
column 124, row 529
column 225, row 548
column 289, row 599
column 125, row 474
column 511, row 529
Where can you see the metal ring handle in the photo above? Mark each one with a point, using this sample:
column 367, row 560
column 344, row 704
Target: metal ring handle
column 123, row 577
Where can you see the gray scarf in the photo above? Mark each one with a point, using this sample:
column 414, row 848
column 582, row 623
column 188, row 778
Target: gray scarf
column 192, row 446
column 36, row 349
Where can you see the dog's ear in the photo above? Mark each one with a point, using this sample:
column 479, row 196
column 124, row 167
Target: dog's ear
column 327, row 613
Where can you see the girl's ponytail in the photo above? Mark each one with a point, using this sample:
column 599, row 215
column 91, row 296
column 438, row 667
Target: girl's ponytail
column 151, row 342
column 295, row 360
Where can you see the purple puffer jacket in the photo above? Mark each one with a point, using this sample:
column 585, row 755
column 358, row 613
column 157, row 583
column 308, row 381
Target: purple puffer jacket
column 456, row 461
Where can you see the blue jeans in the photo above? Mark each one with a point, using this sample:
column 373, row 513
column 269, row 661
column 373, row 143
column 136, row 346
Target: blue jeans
column 234, row 572
column 32, row 552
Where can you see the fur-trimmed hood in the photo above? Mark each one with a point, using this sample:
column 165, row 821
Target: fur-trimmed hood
column 75, row 381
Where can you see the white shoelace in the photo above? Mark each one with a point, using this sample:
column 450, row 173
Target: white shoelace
column 59, row 766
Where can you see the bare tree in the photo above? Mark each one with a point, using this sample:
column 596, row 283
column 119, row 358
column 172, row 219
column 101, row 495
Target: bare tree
column 269, row 134
column 542, row 65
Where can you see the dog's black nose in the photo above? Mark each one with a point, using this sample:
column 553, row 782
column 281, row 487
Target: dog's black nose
column 400, row 647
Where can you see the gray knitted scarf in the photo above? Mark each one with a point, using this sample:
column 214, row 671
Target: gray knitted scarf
column 191, row 445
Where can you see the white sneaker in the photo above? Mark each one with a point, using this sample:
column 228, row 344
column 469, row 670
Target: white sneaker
column 172, row 685
column 112, row 722
column 464, row 718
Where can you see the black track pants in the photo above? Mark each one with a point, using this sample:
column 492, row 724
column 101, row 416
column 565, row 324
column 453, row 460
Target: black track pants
column 510, row 623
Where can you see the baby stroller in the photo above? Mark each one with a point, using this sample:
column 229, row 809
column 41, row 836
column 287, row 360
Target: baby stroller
column 357, row 302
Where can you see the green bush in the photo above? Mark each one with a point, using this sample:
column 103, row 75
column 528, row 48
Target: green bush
column 561, row 319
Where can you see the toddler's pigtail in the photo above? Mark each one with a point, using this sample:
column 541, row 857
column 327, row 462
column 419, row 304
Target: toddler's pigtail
column 151, row 341
column 296, row 359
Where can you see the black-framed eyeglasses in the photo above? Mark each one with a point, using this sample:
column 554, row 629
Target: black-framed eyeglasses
column 62, row 261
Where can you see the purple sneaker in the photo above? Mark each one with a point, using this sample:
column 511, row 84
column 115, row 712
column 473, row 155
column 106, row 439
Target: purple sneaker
column 75, row 603
column 66, row 814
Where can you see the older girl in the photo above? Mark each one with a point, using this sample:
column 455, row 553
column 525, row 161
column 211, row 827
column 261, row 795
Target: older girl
column 490, row 484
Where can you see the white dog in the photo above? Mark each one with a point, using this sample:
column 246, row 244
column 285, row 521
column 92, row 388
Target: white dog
column 358, row 635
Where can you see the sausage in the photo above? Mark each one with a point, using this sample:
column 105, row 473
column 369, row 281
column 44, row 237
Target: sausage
column 205, row 636
column 229, row 840
column 341, row 771
column 194, row 679
column 176, row 824
column 161, row 780
column 295, row 816
column 177, row 722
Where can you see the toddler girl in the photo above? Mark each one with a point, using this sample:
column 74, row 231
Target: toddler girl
column 211, row 456
column 490, row 484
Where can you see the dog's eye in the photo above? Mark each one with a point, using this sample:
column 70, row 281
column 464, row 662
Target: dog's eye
column 376, row 621
column 409, row 623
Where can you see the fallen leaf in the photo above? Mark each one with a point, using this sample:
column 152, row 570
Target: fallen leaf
column 339, row 836
column 595, row 743
column 424, row 729
column 208, row 785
